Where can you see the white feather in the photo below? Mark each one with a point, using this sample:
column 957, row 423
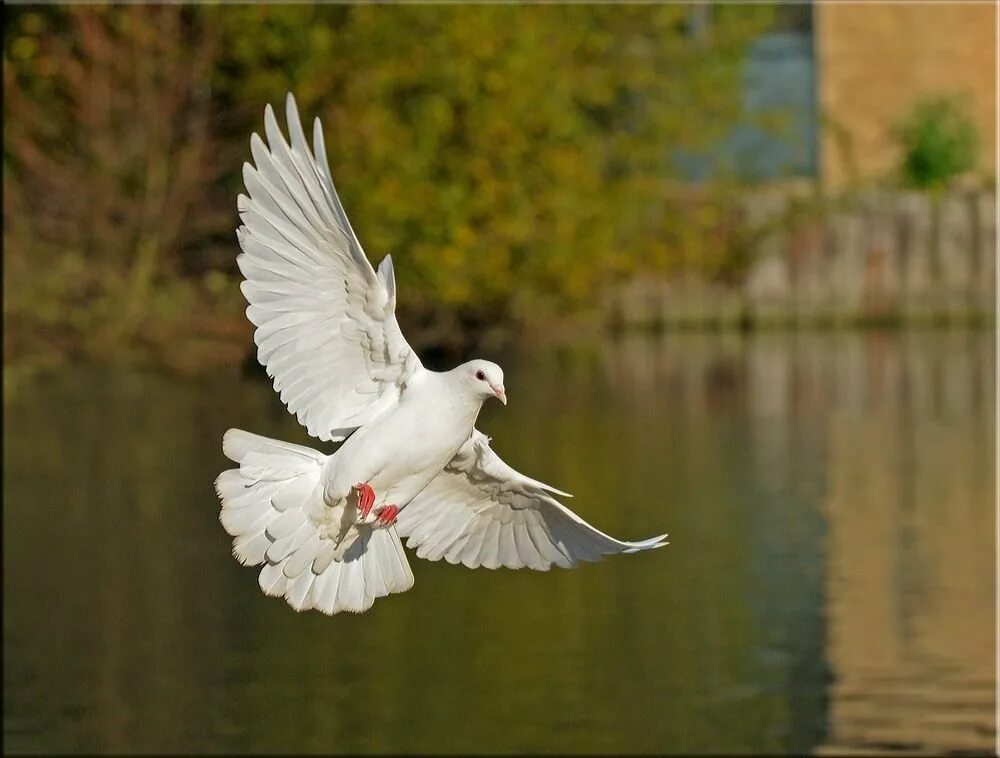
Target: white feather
column 275, row 524
column 297, row 236
column 492, row 515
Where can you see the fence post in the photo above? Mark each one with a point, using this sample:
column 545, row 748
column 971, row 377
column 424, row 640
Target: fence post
column 955, row 249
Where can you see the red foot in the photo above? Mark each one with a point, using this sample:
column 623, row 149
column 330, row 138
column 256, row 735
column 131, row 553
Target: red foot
column 366, row 498
column 386, row 515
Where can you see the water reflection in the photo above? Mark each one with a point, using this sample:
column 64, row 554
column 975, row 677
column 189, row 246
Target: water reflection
column 909, row 451
column 829, row 587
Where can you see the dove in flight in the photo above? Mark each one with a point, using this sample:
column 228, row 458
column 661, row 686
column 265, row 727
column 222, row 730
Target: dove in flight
column 326, row 529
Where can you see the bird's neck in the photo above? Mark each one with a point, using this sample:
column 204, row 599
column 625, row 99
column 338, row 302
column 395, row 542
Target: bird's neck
column 452, row 392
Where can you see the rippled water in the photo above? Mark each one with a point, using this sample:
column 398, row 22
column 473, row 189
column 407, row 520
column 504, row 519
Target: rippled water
column 829, row 586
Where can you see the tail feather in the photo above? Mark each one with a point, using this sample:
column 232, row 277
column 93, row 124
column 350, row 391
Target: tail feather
column 239, row 445
column 267, row 506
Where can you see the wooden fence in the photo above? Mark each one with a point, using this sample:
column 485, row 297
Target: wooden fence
column 879, row 258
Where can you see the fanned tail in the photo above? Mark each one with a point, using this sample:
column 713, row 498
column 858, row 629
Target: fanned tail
column 272, row 505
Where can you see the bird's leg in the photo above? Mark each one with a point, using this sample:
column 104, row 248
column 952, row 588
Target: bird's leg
column 386, row 515
column 366, row 498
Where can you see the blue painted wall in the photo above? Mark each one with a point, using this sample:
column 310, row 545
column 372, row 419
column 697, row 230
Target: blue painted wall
column 777, row 136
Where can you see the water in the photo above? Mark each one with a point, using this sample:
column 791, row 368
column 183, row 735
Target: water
column 829, row 586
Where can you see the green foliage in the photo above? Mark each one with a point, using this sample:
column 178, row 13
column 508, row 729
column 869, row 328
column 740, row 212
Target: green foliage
column 939, row 142
column 511, row 158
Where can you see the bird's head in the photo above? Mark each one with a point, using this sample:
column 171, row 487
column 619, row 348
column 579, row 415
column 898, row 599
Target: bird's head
column 485, row 379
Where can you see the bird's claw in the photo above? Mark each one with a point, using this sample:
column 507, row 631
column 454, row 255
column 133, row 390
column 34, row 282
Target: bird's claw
column 366, row 498
column 386, row 515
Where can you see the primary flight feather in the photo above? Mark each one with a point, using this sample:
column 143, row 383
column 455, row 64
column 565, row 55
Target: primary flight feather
column 326, row 528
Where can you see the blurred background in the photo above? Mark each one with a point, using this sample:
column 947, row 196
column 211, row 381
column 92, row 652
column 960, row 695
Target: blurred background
column 740, row 261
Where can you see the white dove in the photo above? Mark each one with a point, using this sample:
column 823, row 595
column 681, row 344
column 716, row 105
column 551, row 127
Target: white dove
column 327, row 528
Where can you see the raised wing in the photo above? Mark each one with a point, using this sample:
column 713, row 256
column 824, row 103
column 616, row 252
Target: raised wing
column 480, row 512
column 326, row 325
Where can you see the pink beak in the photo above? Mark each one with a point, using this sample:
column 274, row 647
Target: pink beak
column 499, row 393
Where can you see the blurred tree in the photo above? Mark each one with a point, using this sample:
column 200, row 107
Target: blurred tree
column 511, row 158
column 110, row 166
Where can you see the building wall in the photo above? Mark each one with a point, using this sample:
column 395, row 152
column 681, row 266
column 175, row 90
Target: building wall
column 874, row 61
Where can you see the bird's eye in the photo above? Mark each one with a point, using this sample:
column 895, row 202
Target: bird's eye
column 480, row 375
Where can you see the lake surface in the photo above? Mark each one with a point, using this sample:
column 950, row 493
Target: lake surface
column 829, row 587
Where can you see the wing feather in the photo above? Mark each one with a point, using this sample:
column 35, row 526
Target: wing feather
column 481, row 512
column 326, row 329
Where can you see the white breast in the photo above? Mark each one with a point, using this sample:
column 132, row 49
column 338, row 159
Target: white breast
column 399, row 453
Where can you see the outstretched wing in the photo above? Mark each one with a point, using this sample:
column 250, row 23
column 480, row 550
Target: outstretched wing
column 480, row 512
column 326, row 325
